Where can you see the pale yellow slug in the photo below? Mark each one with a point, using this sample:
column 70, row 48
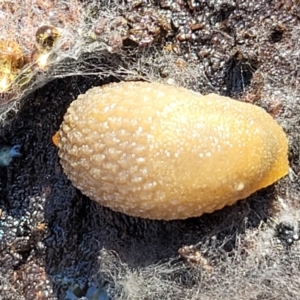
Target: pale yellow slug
column 163, row 152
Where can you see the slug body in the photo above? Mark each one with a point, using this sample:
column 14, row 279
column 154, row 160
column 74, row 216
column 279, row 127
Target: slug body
column 164, row 152
column 7, row 154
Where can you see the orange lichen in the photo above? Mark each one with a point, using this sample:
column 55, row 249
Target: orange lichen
column 164, row 152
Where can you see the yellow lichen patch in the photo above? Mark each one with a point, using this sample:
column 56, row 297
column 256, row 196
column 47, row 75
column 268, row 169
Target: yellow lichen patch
column 164, row 152
column 11, row 62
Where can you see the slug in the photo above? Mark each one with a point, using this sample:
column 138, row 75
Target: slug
column 164, row 152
